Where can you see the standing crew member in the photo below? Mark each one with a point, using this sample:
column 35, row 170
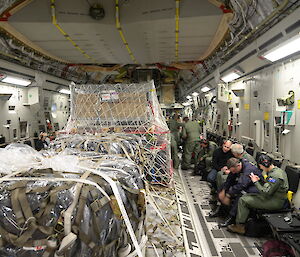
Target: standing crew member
column 174, row 127
column 191, row 134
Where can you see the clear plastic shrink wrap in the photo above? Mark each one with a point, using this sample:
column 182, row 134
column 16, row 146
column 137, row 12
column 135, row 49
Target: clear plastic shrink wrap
column 34, row 204
column 16, row 156
column 129, row 146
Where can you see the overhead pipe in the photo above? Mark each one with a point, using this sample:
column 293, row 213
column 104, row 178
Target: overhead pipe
column 96, row 68
column 164, row 67
column 277, row 10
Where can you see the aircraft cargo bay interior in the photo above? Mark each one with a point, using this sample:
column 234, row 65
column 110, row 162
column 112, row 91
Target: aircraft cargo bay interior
column 149, row 128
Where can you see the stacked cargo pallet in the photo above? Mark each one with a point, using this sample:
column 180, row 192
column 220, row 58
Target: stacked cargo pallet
column 85, row 195
column 126, row 109
column 90, row 207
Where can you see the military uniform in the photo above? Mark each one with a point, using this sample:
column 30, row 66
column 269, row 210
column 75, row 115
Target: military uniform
column 174, row 129
column 240, row 183
column 221, row 176
column 175, row 140
column 249, row 158
column 203, row 166
column 174, row 152
column 191, row 133
column 272, row 195
column 207, row 153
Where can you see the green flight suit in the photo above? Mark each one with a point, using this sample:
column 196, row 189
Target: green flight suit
column 207, row 153
column 273, row 194
column 191, row 134
column 174, row 126
column 221, row 176
column 249, row 158
column 174, row 152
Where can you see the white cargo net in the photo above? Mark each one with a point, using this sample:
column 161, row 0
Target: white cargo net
column 125, row 109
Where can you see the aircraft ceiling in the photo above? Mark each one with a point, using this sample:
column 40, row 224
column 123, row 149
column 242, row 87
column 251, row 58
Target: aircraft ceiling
column 189, row 37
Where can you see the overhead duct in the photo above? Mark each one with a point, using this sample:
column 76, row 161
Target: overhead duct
column 141, row 75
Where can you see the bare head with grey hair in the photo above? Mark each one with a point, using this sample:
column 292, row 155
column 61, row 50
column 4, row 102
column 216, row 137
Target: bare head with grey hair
column 237, row 150
column 234, row 165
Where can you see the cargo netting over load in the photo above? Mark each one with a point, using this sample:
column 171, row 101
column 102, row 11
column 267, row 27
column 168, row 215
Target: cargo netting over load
column 125, row 109
column 70, row 203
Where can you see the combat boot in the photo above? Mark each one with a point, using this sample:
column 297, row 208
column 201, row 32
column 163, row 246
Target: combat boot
column 230, row 220
column 216, row 213
column 237, row 228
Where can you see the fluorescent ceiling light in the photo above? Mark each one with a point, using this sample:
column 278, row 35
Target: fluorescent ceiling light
column 285, row 49
column 195, row 94
column 16, row 81
column 205, row 89
column 65, row 91
column 230, row 77
column 188, row 97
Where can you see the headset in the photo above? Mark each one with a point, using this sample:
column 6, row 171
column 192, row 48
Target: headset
column 204, row 141
column 265, row 160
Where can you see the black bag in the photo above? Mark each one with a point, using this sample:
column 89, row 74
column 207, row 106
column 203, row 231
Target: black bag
column 273, row 248
column 257, row 228
column 200, row 168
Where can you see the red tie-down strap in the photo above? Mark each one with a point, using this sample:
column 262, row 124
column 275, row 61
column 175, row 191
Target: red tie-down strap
column 5, row 16
column 224, row 9
column 159, row 147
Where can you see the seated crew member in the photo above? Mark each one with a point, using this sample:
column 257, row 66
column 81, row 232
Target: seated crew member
column 237, row 184
column 41, row 143
column 272, row 193
column 238, row 152
column 219, row 160
column 205, row 157
column 191, row 134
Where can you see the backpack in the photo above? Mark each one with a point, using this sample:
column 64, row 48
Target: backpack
column 273, row 248
column 257, row 228
column 200, row 168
